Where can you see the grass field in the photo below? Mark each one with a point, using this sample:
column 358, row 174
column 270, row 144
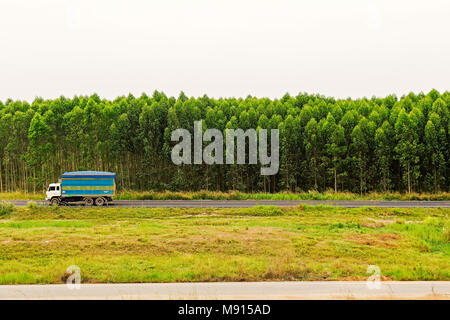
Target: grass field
column 234, row 195
column 38, row 244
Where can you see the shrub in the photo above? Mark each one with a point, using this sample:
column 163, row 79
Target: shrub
column 6, row 208
column 31, row 205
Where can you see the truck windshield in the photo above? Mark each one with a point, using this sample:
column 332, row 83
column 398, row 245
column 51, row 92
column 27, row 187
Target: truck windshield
column 51, row 189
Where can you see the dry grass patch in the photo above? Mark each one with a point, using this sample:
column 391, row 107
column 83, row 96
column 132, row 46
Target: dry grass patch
column 385, row 240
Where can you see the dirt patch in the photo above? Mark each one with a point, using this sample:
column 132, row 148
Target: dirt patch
column 385, row 240
column 47, row 241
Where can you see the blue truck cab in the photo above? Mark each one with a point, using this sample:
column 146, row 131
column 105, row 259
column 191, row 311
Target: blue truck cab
column 91, row 187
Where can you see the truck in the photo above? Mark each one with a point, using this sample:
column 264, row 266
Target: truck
column 90, row 187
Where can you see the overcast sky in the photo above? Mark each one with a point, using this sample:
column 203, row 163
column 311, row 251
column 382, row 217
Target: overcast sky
column 346, row 48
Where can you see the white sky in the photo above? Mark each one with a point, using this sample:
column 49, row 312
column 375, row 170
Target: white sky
column 223, row 48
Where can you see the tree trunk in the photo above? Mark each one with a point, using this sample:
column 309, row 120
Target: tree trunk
column 34, row 180
column 361, row 179
column 409, row 180
column 315, row 173
column 435, row 181
column 335, row 181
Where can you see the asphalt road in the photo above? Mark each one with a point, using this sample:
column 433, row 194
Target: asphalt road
column 252, row 203
column 235, row 290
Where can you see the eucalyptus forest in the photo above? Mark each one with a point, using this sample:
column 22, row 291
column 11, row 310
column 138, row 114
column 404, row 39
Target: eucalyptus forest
column 357, row 145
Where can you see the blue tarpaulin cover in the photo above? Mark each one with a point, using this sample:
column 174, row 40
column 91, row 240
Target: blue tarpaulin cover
column 88, row 183
column 85, row 174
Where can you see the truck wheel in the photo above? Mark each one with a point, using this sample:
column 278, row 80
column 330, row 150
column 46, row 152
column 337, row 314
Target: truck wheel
column 54, row 202
column 88, row 201
column 99, row 202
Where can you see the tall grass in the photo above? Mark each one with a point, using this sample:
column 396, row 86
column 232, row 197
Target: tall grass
column 433, row 231
column 6, row 208
column 311, row 195
column 19, row 195
column 236, row 195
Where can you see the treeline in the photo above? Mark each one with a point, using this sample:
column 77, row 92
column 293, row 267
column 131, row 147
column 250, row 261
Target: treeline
column 378, row 144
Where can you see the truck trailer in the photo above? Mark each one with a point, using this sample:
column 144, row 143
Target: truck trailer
column 90, row 187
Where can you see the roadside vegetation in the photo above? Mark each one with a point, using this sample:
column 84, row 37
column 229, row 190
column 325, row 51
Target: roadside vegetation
column 22, row 196
column 38, row 244
column 236, row 195
column 6, row 208
column 312, row 195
